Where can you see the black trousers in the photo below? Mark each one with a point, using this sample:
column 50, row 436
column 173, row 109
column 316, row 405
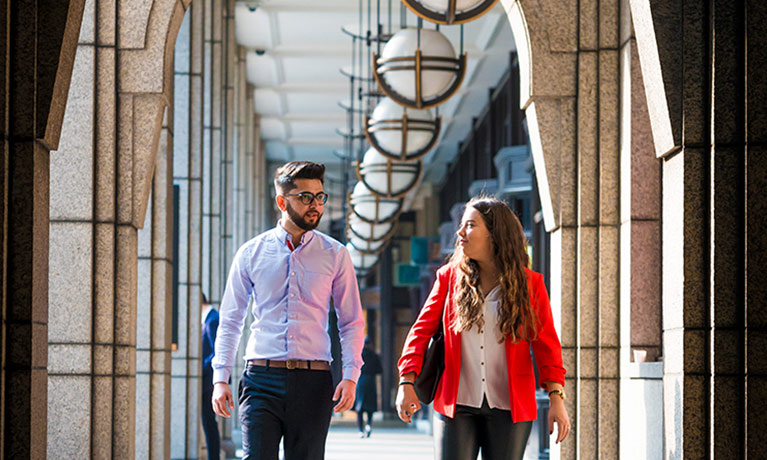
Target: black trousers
column 473, row 429
column 294, row 404
column 209, row 425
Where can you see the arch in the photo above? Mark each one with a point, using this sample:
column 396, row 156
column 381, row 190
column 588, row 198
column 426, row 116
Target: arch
column 146, row 66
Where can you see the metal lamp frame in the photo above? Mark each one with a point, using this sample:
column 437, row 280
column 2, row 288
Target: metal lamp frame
column 406, row 125
column 389, row 168
column 450, row 17
column 419, row 64
column 377, row 200
column 369, row 239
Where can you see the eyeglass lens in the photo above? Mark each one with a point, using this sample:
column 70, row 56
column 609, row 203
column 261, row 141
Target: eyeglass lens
column 307, row 197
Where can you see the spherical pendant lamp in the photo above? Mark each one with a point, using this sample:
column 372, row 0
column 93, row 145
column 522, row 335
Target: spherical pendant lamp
column 449, row 11
column 369, row 231
column 366, row 246
column 362, row 262
column 372, row 208
column 418, row 68
column 386, row 177
column 399, row 133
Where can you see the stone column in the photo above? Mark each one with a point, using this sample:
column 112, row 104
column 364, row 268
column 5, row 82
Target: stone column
column 154, row 311
column 640, row 262
column 187, row 167
column 568, row 54
column 36, row 64
column 703, row 65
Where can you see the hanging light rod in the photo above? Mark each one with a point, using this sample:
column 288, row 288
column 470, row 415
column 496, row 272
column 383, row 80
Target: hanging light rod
column 383, row 38
column 455, row 12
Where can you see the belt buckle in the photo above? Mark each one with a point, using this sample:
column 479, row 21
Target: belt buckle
column 291, row 364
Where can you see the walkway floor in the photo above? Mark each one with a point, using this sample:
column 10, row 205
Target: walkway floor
column 385, row 443
column 390, row 440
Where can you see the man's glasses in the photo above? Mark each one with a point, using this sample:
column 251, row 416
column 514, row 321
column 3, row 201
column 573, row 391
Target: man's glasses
column 308, row 197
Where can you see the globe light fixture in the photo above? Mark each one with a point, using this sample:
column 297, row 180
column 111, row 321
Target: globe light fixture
column 399, row 133
column 449, row 11
column 418, row 68
column 372, row 208
column 362, row 262
column 366, row 246
column 386, row 177
column 367, row 230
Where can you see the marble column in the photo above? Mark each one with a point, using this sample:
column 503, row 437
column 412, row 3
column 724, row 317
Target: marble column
column 36, row 64
column 117, row 119
column 641, row 404
column 154, row 310
column 187, row 170
column 703, row 66
column 569, row 88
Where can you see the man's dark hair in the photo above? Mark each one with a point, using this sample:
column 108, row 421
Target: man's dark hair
column 284, row 177
column 204, row 299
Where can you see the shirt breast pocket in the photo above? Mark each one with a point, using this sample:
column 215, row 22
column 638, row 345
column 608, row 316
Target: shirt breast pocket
column 317, row 288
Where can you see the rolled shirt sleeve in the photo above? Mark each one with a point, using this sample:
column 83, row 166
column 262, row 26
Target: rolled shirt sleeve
column 234, row 307
column 351, row 324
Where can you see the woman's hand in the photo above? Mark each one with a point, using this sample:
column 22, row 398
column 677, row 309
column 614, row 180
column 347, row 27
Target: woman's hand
column 407, row 401
column 558, row 414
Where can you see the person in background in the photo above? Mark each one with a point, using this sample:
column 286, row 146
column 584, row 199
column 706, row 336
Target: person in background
column 291, row 273
column 367, row 392
column 493, row 309
column 209, row 425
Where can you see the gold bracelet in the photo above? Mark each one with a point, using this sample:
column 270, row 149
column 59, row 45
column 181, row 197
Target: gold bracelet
column 558, row 392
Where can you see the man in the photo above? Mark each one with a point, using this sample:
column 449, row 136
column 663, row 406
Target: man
column 209, row 425
column 291, row 272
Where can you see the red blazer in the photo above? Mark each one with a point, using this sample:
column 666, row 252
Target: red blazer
column 547, row 349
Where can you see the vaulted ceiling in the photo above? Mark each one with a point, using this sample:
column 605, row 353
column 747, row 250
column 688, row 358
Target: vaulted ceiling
column 297, row 48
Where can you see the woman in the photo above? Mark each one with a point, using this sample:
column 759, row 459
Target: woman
column 494, row 310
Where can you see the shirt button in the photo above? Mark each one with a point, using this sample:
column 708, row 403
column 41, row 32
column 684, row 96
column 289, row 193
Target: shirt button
column 483, row 380
column 482, row 363
column 292, row 273
column 292, row 295
column 291, row 336
column 481, row 347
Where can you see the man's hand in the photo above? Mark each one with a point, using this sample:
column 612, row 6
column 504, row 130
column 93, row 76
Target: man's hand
column 222, row 401
column 345, row 393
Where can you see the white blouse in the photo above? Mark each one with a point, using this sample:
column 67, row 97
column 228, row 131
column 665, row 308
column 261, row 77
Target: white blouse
column 483, row 361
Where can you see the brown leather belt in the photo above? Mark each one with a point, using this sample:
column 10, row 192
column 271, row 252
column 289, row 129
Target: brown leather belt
column 292, row 364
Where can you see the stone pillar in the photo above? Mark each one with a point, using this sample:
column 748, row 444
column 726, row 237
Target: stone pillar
column 640, row 262
column 36, row 64
column 117, row 120
column 569, row 66
column 703, row 65
column 187, row 167
column 154, row 311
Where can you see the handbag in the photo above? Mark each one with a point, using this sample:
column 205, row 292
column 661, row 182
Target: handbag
column 431, row 371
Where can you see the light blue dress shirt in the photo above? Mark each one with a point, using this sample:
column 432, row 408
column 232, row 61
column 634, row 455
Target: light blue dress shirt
column 291, row 300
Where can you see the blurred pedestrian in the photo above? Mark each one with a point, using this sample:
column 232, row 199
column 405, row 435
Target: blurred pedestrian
column 367, row 391
column 209, row 424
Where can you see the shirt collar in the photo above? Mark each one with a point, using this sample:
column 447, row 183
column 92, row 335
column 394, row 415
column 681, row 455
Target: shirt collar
column 283, row 235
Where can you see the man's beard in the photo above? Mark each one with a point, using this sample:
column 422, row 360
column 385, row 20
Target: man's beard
column 300, row 220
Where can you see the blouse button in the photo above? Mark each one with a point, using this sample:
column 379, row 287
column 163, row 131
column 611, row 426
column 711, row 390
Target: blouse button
column 482, row 363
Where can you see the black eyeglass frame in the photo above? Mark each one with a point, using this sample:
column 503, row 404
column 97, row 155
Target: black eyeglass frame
column 322, row 196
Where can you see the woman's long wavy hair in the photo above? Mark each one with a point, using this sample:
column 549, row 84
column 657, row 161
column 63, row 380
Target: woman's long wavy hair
column 516, row 317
